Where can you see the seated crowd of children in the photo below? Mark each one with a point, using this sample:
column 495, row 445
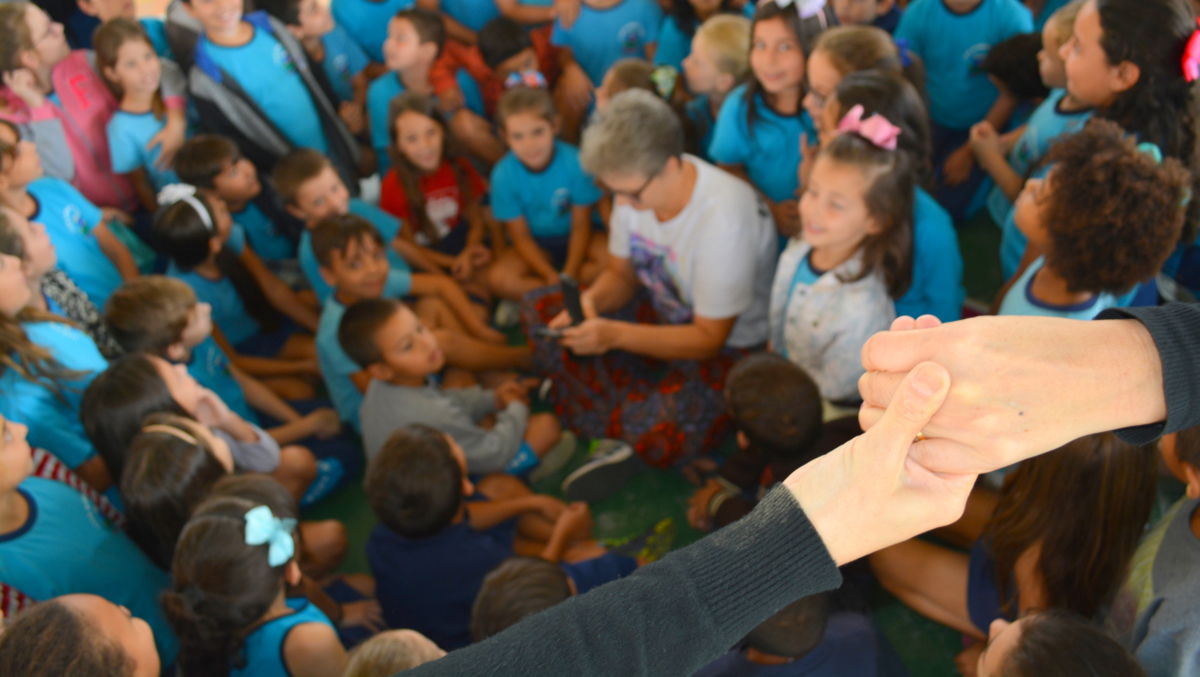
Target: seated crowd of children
column 251, row 256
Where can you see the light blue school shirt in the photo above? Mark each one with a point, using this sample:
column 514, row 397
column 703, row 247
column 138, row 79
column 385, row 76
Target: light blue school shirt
column 228, row 311
column 379, row 99
column 1044, row 127
column 128, row 134
column 210, row 367
column 367, row 22
column 474, row 14
column 674, row 43
column 699, row 112
column 937, row 265
column 601, row 37
column 769, row 150
column 53, row 416
column 388, row 227
column 156, row 30
column 71, row 221
column 263, row 648
column 265, row 237
column 265, row 71
column 67, row 546
column 344, row 59
column 336, row 365
column 1020, row 300
column 544, row 198
column 953, row 46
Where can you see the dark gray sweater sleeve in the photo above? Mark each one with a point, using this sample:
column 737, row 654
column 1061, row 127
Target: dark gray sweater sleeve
column 671, row 617
column 1175, row 329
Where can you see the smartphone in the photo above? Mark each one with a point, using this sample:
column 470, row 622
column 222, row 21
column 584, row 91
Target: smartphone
column 570, row 292
column 547, row 333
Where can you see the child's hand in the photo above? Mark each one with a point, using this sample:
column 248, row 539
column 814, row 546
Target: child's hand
column 575, row 87
column 808, row 156
column 211, row 410
column 512, row 391
column 575, row 520
column 787, row 216
column 169, row 139
column 567, row 11
column 451, row 99
column 364, row 613
column 352, row 114
column 985, row 142
column 698, row 504
column 958, row 166
column 24, row 84
column 324, row 422
column 114, row 214
column 547, row 506
column 479, row 255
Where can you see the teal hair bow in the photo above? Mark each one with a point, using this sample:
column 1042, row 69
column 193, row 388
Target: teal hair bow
column 1152, row 150
column 263, row 527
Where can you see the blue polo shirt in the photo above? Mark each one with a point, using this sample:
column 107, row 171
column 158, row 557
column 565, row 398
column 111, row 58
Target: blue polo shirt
column 769, row 149
column 210, row 367
column 388, row 227
column 267, row 240
column 128, row 134
column 1020, row 300
column 937, row 265
column 545, row 198
column 601, row 37
column 367, row 21
column 71, row 222
column 344, row 59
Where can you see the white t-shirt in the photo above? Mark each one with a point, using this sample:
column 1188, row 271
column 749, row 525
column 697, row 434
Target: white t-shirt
column 715, row 259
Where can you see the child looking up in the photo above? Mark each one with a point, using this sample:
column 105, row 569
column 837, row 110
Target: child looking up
column 45, row 524
column 544, row 199
column 388, row 341
column 233, row 565
column 952, row 38
column 88, row 250
column 352, row 260
column 49, row 81
column 439, row 536
column 415, row 40
column 835, row 287
column 1105, row 218
column 1009, row 158
column 251, row 81
column 195, row 232
column 758, row 131
column 716, row 65
column 436, row 193
column 214, row 163
column 126, row 59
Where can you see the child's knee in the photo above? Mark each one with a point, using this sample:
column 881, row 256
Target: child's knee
column 544, row 427
column 297, row 464
column 325, row 545
column 499, row 487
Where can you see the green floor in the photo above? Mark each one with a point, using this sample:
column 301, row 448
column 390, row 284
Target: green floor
column 925, row 648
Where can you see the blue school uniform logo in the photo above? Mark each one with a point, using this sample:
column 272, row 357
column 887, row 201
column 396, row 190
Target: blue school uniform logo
column 73, row 217
column 631, row 37
column 561, row 199
column 975, row 56
column 280, row 57
column 341, row 66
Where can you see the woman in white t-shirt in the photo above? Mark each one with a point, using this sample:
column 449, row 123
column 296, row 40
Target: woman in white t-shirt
column 684, row 294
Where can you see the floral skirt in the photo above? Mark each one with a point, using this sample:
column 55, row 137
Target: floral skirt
column 670, row 411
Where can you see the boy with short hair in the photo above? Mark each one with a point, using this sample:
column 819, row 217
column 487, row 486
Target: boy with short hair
column 415, row 40
column 1166, row 636
column 251, row 81
column 403, row 358
column 776, row 409
column 438, row 536
column 803, row 640
column 352, row 260
column 213, row 162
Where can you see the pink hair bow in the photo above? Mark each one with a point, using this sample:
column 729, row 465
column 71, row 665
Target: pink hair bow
column 875, row 129
column 1191, row 57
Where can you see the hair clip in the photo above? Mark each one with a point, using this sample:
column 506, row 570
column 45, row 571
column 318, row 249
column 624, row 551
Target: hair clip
column 529, row 78
column 807, row 9
column 1152, row 150
column 1191, row 56
column 263, row 527
column 876, row 128
column 664, row 78
column 185, row 192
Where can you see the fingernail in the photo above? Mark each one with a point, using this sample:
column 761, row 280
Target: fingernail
column 926, row 381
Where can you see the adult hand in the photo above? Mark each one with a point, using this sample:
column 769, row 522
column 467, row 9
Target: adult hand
column 1020, row 385
column 24, row 84
column 594, row 336
column 563, row 319
column 870, row 492
column 958, row 166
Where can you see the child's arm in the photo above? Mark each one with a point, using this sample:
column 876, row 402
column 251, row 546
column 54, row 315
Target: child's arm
column 525, row 14
column 454, row 30
column 483, row 515
column 417, row 255
column 145, row 192
column 529, row 251
column 445, row 288
column 581, row 237
column 958, row 164
column 174, row 132
column 313, row 650
column 265, row 366
column 565, row 530
column 989, row 152
column 279, row 294
column 574, row 86
column 322, row 422
column 116, row 251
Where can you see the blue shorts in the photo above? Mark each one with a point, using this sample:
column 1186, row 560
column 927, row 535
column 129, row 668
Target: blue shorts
column 268, row 344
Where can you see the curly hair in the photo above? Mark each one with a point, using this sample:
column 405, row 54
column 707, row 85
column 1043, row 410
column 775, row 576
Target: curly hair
column 1114, row 212
column 52, row 639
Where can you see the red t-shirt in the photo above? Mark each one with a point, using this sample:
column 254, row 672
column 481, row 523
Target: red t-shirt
column 444, row 202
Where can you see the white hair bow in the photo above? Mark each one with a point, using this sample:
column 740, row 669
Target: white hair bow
column 805, row 8
column 184, row 192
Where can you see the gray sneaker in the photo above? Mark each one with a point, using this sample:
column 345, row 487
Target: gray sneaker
column 609, row 466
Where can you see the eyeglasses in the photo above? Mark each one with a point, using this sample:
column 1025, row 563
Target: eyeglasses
column 635, row 195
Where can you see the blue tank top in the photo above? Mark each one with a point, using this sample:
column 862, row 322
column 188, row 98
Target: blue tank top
column 263, row 649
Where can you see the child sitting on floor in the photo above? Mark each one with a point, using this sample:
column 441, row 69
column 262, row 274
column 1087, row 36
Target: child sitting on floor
column 438, row 537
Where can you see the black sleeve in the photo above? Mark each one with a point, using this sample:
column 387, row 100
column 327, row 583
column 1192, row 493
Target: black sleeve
column 1175, row 329
column 671, row 617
